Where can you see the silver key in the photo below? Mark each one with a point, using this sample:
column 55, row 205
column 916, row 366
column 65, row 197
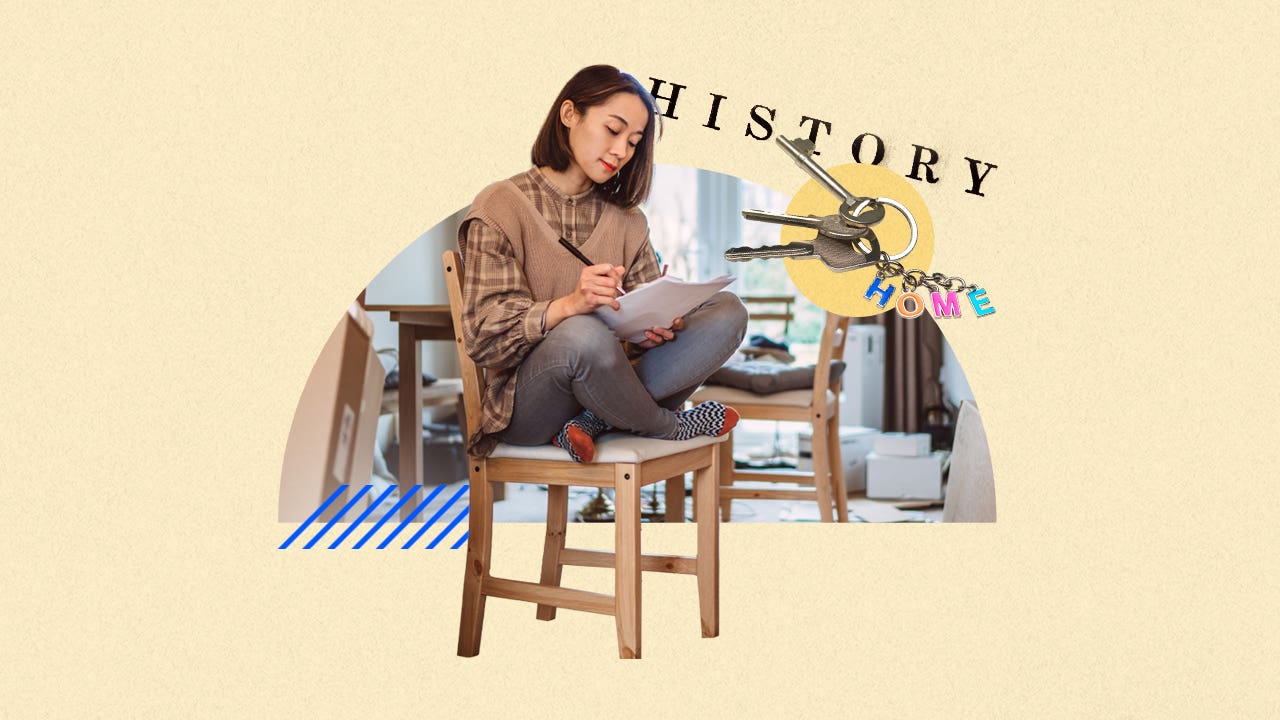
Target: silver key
column 801, row 151
column 829, row 225
column 839, row 255
column 796, row 250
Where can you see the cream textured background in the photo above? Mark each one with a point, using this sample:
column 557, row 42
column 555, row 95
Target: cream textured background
column 192, row 196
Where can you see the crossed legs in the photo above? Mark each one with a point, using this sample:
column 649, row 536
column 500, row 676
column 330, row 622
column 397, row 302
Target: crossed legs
column 580, row 364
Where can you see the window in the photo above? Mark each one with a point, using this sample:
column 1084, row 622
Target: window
column 695, row 215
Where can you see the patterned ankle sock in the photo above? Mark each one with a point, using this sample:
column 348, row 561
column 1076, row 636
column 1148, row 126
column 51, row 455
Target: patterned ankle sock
column 578, row 436
column 709, row 418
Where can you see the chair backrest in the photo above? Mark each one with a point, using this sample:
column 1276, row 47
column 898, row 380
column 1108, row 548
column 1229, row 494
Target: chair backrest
column 971, row 486
column 834, row 332
column 769, row 311
column 472, row 376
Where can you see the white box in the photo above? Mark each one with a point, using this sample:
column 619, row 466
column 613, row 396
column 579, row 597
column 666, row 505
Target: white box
column 893, row 477
column 334, row 427
column 902, row 444
column 855, row 443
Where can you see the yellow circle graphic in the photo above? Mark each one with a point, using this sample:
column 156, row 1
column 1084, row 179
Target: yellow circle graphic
column 844, row 292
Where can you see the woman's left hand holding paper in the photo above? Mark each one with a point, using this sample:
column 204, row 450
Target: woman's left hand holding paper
column 656, row 336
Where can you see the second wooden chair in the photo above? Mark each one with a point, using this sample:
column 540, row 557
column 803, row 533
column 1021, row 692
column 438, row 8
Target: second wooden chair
column 818, row 406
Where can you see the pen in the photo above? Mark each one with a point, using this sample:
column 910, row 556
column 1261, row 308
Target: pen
column 576, row 253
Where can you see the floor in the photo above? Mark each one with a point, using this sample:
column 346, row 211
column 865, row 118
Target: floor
column 528, row 503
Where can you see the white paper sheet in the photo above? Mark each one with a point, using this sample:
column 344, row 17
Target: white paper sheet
column 657, row 303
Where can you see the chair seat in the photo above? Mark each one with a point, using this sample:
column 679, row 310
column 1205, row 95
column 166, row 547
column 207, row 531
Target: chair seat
column 730, row 396
column 610, row 448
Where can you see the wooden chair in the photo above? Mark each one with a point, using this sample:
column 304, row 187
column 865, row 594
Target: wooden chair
column 819, row 406
column 765, row 307
column 623, row 462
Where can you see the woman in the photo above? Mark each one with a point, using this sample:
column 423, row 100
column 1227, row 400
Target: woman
column 556, row 373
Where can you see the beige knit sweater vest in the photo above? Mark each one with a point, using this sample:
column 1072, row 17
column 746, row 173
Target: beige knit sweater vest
column 549, row 269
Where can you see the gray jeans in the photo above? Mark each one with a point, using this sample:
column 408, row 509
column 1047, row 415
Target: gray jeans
column 580, row 364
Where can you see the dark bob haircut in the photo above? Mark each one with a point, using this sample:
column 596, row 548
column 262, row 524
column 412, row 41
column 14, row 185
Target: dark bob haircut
column 593, row 86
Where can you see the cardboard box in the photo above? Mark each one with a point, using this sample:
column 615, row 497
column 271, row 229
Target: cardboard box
column 855, row 443
column 894, row 477
column 903, row 444
column 331, row 441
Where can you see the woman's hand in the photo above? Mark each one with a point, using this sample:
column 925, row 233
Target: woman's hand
column 597, row 287
column 656, row 336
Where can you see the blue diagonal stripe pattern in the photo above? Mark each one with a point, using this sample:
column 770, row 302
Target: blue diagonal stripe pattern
column 376, row 504
column 386, row 517
column 405, row 523
column 329, row 501
column 448, row 529
column 332, row 521
column 427, row 525
column 367, row 491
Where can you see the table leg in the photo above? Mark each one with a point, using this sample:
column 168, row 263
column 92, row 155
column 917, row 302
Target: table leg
column 410, row 414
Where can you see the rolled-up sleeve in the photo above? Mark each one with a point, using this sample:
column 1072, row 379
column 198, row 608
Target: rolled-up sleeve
column 501, row 320
column 644, row 269
column 644, row 266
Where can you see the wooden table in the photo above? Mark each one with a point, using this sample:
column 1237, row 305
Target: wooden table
column 417, row 323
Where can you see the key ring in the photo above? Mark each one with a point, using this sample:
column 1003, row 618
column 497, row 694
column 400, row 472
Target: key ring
column 915, row 232
column 852, row 217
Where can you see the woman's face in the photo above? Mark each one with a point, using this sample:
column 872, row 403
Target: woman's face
column 604, row 138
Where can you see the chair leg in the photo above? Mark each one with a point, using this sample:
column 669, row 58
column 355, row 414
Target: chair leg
column 835, row 462
column 626, row 509
column 479, row 547
column 675, row 500
column 557, row 518
column 725, row 461
column 821, row 462
column 706, row 486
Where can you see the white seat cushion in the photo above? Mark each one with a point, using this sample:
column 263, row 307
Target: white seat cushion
column 610, row 448
column 730, row 396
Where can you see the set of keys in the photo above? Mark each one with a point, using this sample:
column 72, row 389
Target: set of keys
column 845, row 240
